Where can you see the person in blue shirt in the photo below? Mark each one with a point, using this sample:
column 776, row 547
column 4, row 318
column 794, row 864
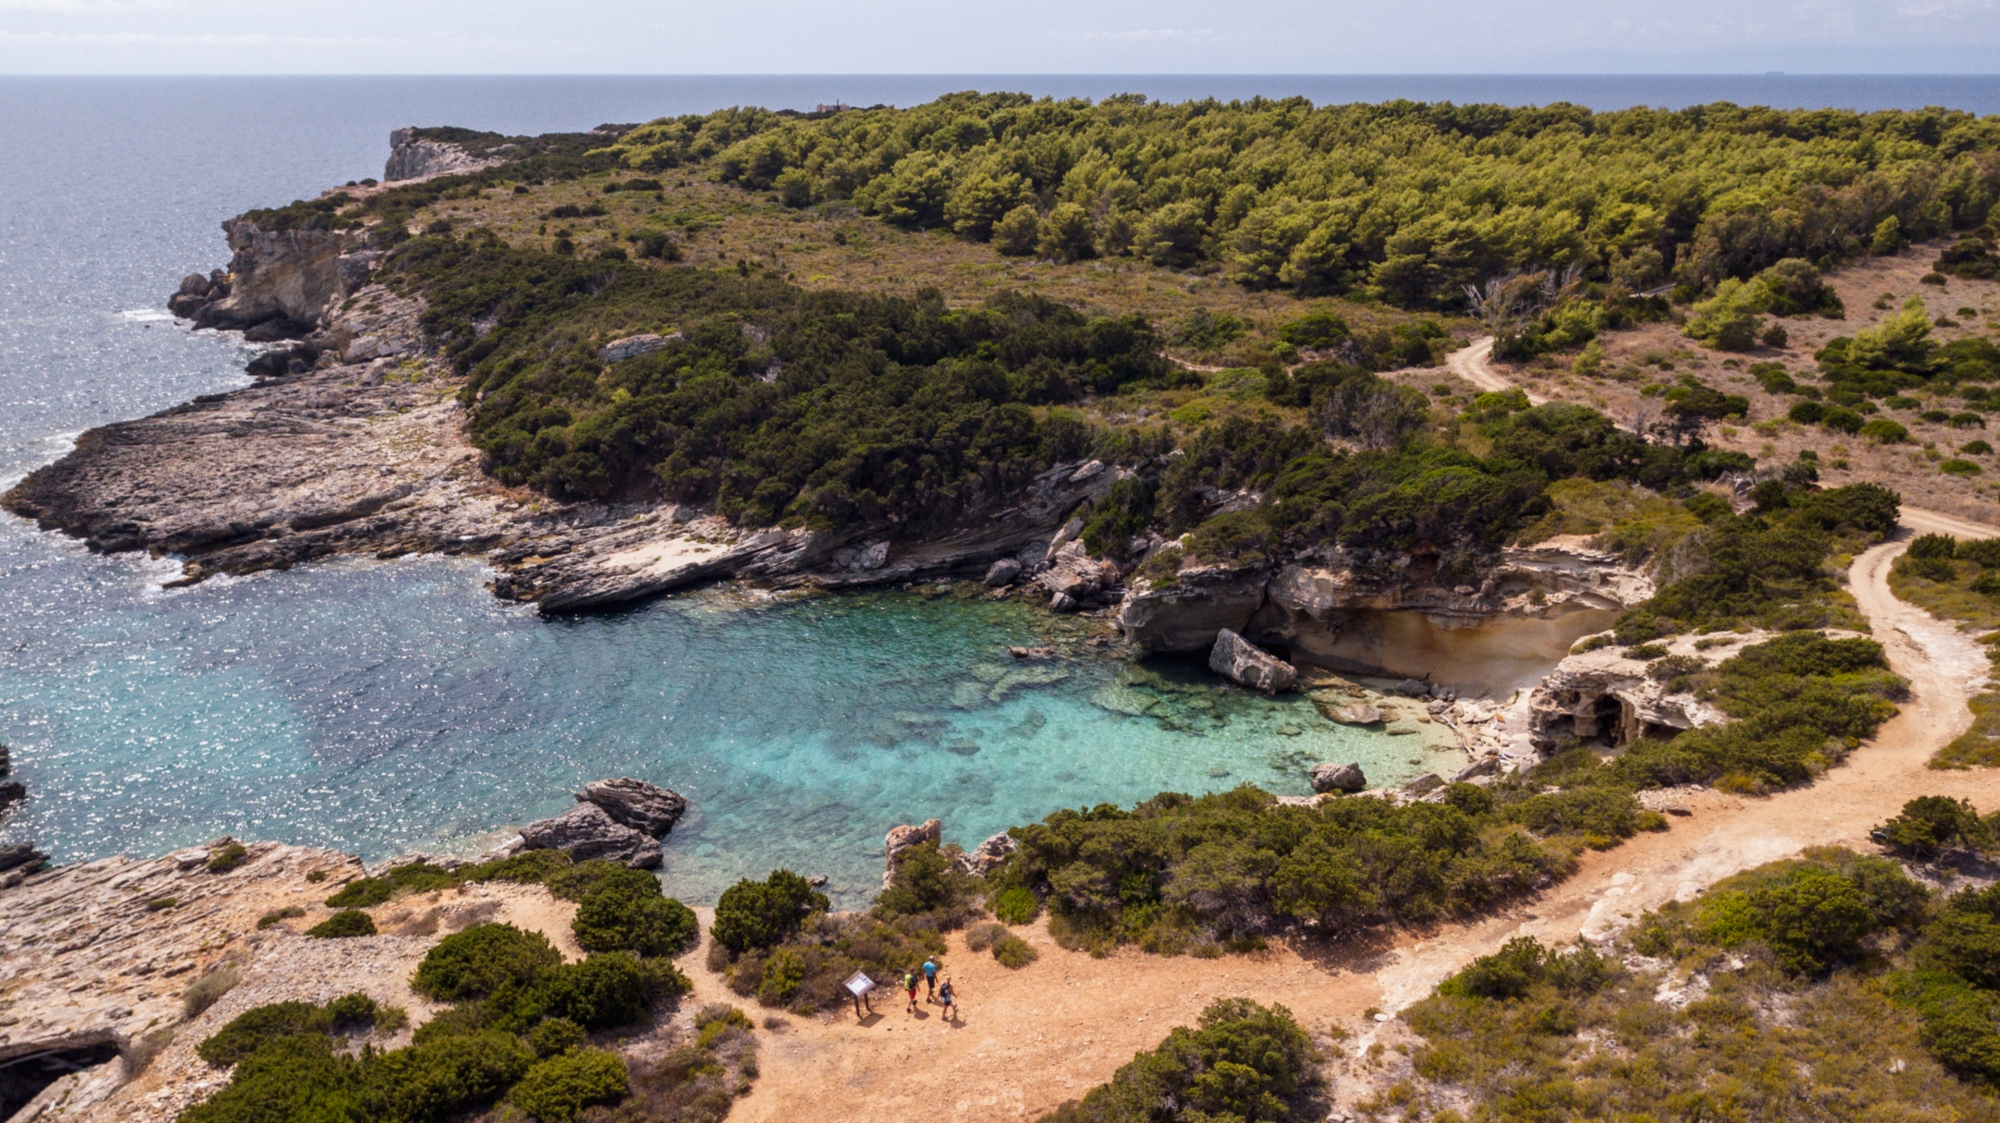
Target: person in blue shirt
column 930, row 979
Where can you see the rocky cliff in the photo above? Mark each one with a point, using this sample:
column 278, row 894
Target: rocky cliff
column 1390, row 616
column 413, row 156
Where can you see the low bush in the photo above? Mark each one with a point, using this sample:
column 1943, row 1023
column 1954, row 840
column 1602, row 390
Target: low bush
column 925, row 881
column 981, row 937
column 1015, row 905
column 481, row 960
column 289, row 912
column 227, row 857
column 1931, row 823
column 1013, row 952
column 627, row 911
column 556, row 1089
column 1240, row 1061
column 751, row 915
column 344, row 924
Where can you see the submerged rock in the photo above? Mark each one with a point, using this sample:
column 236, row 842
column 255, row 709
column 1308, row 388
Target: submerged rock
column 637, row 804
column 1241, row 662
column 1332, row 777
column 587, row 831
column 1352, row 713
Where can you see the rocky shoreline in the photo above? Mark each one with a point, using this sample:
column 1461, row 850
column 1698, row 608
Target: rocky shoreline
column 352, row 440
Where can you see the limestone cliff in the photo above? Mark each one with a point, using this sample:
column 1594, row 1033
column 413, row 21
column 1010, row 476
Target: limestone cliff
column 1391, row 616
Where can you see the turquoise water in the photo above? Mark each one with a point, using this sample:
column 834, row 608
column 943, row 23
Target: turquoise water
column 385, row 707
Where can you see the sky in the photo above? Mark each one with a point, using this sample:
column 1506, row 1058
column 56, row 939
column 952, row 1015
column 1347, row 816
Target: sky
column 989, row 37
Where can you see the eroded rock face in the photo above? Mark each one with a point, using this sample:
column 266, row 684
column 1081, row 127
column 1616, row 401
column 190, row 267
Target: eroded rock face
column 280, row 275
column 987, row 856
column 902, row 838
column 633, row 346
column 1241, row 662
column 1603, row 696
column 587, row 831
column 1188, row 615
column 413, row 157
column 1332, row 777
column 637, row 804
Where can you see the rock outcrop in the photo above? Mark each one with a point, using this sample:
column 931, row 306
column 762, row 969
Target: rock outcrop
column 587, row 831
column 413, row 157
column 644, row 807
column 102, row 952
column 1332, row 777
column 286, row 277
column 987, row 856
column 633, row 346
column 1605, row 697
column 1239, row 661
column 1393, row 614
column 902, row 838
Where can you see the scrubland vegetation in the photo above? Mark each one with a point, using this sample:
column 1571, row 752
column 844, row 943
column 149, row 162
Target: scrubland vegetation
column 1833, row 986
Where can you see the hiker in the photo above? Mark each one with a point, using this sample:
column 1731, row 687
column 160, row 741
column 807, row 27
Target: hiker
column 910, row 985
column 930, row 979
column 949, row 999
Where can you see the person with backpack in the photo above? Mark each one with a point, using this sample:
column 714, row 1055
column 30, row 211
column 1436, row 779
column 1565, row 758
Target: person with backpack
column 930, row 978
column 949, row 999
column 910, row 987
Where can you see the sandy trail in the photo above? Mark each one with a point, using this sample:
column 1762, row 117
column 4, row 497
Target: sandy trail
column 1033, row 1038
column 1473, row 363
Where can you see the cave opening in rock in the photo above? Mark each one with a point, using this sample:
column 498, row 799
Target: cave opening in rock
column 24, row 1077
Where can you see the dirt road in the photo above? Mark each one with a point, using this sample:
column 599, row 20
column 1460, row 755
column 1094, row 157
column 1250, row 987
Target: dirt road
column 1473, row 363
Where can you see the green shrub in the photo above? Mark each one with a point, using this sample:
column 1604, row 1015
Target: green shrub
column 1931, row 823
column 270, row 919
column 482, row 959
column 255, row 1028
column 227, row 857
column 925, row 880
column 1884, row 432
column 1241, row 1061
column 554, row 1035
column 1013, row 952
column 627, row 912
column 344, row 924
column 443, row 1077
column 1016, row 905
column 556, row 1089
column 605, row 990
column 761, row 914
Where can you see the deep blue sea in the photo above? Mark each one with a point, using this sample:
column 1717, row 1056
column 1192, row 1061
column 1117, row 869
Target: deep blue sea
column 383, row 707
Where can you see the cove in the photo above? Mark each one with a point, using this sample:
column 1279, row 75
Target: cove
column 382, row 708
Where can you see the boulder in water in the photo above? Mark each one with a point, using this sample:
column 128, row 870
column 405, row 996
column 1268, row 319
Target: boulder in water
column 1331, row 777
column 1003, row 572
column 636, row 804
column 1243, row 663
column 587, row 831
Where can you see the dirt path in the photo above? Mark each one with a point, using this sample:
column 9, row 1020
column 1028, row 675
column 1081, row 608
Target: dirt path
column 1033, row 1038
column 1473, row 363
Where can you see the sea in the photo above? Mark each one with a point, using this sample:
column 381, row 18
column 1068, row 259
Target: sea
column 386, row 707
